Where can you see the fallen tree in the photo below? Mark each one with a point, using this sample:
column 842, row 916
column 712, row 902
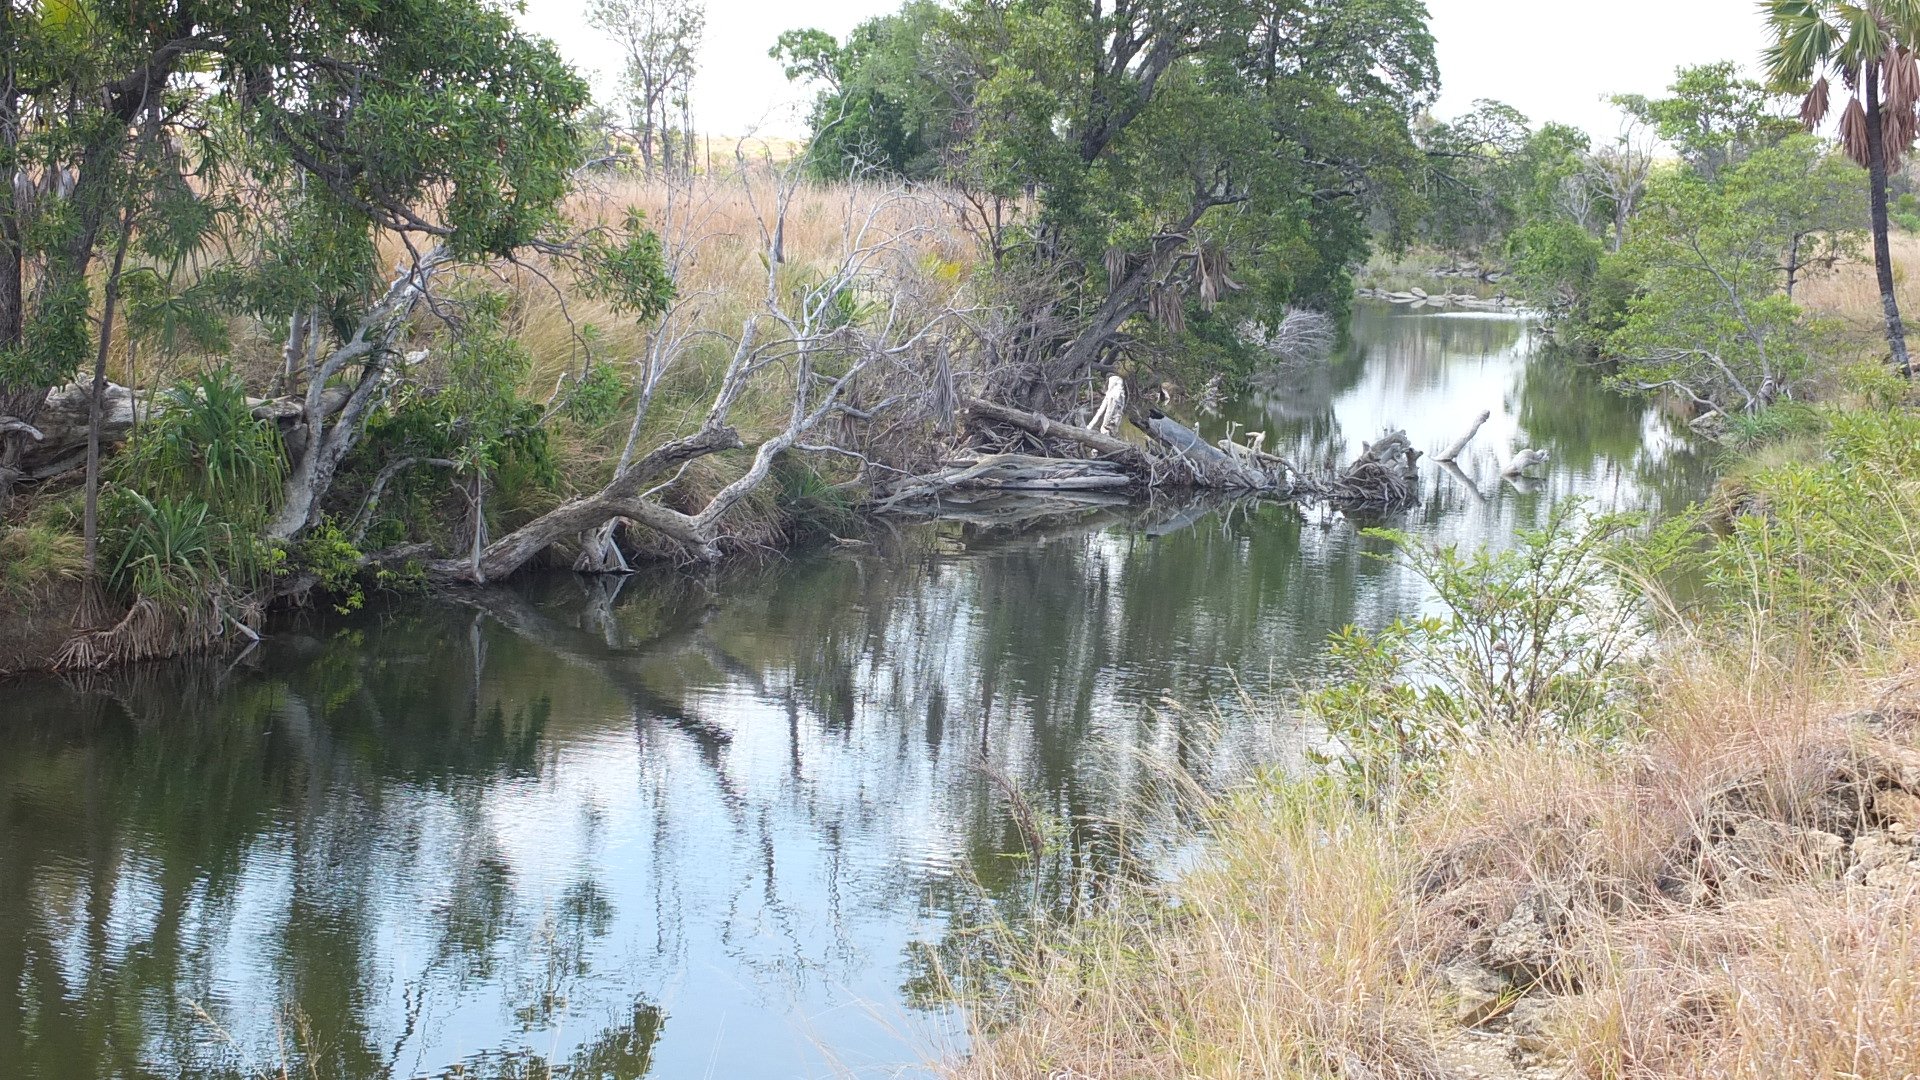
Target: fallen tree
column 803, row 333
column 1043, row 454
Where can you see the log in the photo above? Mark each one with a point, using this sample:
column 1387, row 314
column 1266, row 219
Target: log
column 1216, row 467
column 1452, row 453
column 10, row 425
column 62, row 426
column 1012, row 472
column 1063, row 483
column 1524, row 460
column 1039, row 426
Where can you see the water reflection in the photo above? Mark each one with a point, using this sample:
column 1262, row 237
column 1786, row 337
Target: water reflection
column 696, row 826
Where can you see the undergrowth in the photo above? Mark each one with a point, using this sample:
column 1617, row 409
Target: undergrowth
column 1690, row 847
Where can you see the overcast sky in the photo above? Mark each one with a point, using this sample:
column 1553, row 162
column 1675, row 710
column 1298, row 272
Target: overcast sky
column 1551, row 59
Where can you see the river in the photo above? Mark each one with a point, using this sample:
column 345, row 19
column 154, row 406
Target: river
column 728, row 826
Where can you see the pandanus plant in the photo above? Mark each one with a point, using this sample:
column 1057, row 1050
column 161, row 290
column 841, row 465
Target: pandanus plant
column 1869, row 46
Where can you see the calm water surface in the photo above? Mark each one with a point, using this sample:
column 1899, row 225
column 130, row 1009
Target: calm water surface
column 718, row 827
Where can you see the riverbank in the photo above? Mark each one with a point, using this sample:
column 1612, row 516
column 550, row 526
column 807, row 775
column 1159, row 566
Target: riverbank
column 1722, row 881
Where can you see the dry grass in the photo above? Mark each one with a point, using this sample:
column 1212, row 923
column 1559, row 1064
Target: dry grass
column 1285, row 956
column 35, row 556
column 1850, row 292
column 1662, row 911
column 1729, row 891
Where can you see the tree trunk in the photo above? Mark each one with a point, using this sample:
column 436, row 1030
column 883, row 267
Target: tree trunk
column 1452, row 453
column 621, row 498
column 327, row 445
column 1882, row 255
column 16, row 401
column 96, row 398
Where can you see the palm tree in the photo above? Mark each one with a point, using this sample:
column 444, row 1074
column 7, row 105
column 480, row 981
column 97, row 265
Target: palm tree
column 1869, row 45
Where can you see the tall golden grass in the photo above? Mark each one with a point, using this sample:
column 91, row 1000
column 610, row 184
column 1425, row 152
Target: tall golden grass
column 1850, row 292
column 1317, row 940
column 1725, row 893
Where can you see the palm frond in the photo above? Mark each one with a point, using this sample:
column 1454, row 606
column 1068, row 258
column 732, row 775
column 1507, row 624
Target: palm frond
column 1853, row 133
column 1813, row 110
column 1901, row 78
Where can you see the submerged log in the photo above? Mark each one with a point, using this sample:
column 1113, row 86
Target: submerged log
column 1524, row 460
column 1452, row 453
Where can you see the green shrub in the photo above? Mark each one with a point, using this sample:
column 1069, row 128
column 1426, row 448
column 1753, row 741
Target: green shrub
column 203, row 445
column 597, row 396
column 1779, row 422
column 1824, row 549
column 1534, row 643
column 177, row 553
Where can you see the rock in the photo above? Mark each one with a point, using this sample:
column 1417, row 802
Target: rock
column 1526, row 946
column 1762, row 852
column 1883, row 862
column 1529, row 1024
column 1477, row 992
column 1900, row 810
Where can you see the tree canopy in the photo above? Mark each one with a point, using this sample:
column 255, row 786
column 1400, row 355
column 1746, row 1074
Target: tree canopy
column 1169, row 152
column 314, row 126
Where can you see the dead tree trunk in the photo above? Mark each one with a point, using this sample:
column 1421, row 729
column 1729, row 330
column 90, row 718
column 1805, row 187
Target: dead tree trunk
column 327, row 443
column 1452, row 453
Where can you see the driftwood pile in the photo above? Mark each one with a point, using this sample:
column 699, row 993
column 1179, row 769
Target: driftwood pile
column 1420, row 298
column 1385, row 475
column 1016, row 451
column 1013, row 453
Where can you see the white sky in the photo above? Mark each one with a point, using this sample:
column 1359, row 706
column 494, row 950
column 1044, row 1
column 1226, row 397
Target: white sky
column 1551, row 59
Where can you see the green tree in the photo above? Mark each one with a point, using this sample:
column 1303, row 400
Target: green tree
column 882, row 106
column 434, row 124
column 1476, row 178
column 1870, row 46
column 1151, row 156
column 1711, row 316
column 1714, row 118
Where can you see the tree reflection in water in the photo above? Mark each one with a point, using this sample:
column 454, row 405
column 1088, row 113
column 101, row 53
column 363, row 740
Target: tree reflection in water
column 709, row 826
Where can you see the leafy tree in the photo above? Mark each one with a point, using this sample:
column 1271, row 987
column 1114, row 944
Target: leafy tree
column 1870, row 47
column 1140, row 151
column 1550, row 175
column 1476, row 177
column 1711, row 316
column 1713, row 118
column 887, row 97
column 1555, row 262
column 1809, row 201
column 435, row 125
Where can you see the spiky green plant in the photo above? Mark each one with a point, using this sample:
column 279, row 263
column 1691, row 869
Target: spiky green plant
column 204, row 444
